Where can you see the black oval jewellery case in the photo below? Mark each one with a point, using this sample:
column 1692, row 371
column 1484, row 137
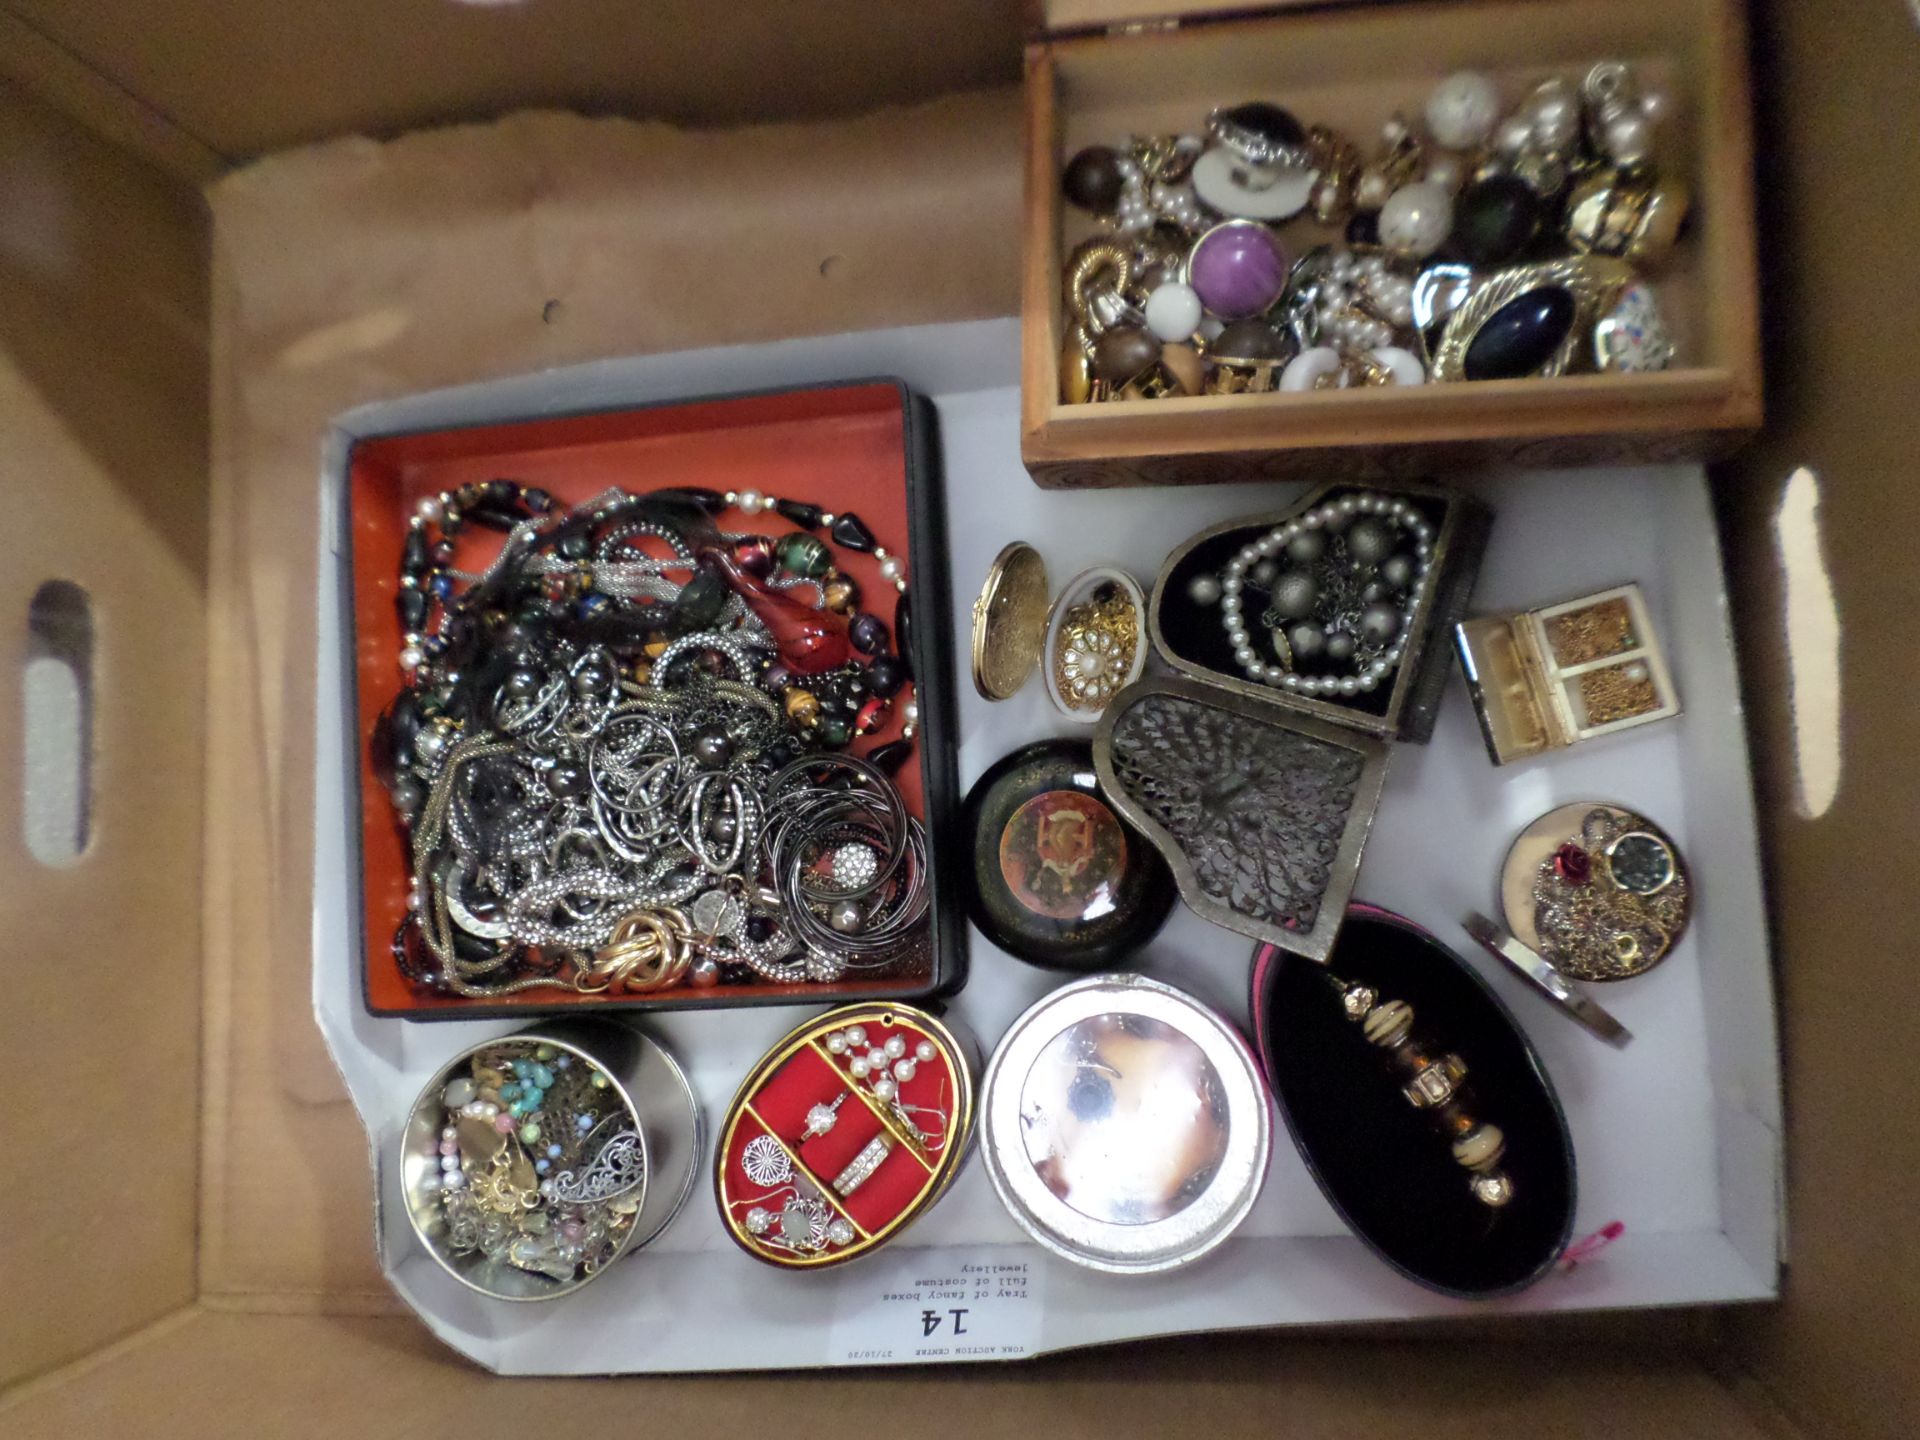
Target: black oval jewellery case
column 1397, row 1143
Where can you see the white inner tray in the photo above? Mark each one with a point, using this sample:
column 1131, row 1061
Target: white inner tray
column 1677, row 1136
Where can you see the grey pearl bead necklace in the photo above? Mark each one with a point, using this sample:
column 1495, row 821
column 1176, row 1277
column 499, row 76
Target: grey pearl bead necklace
column 1386, row 548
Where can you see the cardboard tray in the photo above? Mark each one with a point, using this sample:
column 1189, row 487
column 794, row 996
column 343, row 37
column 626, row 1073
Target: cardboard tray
column 1352, row 68
column 1678, row 1137
column 365, row 269
column 868, row 443
column 359, row 270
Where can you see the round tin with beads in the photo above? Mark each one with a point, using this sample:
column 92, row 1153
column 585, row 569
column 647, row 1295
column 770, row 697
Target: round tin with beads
column 530, row 1163
column 1124, row 1125
column 848, row 1130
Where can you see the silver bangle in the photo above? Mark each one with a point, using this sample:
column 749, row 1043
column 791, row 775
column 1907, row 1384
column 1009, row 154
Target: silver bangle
column 706, row 642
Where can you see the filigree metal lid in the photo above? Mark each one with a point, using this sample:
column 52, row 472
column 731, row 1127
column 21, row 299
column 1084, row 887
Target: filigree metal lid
column 1010, row 621
column 1261, row 813
column 628, row 1175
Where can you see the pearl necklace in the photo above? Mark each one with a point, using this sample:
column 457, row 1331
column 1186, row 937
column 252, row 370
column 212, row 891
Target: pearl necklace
column 1342, row 592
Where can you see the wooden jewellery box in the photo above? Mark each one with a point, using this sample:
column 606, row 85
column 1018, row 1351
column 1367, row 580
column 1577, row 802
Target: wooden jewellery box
column 1105, row 70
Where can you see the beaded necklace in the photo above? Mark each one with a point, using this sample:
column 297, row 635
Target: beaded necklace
column 594, row 727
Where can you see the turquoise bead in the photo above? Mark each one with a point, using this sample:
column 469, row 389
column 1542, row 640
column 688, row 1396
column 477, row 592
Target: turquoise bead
column 543, row 1077
column 510, row 1092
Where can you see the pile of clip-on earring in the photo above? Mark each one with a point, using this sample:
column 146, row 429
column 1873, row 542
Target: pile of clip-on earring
column 538, row 1164
column 1495, row 245
column 620, row 749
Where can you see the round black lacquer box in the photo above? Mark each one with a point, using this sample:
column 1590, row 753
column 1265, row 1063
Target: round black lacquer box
column 1058, row 878
column 1375, row 1156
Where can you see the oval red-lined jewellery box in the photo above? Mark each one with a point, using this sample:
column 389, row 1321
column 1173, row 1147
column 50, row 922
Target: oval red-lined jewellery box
column 848, row 1130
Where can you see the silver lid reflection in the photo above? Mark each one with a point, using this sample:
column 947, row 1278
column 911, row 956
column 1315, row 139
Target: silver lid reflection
column 1124, row 1119
column 1124, row 1125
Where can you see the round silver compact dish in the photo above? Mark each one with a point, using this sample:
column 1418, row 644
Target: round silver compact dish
column 531, row 1162
column 1124, row 1125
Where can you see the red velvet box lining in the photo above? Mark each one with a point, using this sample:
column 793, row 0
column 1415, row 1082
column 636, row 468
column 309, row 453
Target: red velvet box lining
column 842, row 447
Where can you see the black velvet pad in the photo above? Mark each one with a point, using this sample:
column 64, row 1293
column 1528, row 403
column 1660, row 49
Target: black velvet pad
column 1380, row 1162
column 1196, row 633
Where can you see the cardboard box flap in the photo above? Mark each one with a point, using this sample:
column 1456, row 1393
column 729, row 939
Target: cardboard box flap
column 1831, row 1356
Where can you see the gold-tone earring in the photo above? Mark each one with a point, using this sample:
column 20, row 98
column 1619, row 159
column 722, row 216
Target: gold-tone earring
column 1338, row 161
column 648, row 950
column 1076, row 368
column 1495, row 334
column 1247, row 358
column 1630, row 216
column 1094, row 652
column 1097, row 279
